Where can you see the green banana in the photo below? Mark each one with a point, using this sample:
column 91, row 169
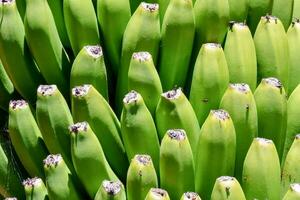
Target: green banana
column 272, row 53
column 81, row 24
column 111, row 190
column 174, row 111
column 293, row 193
column 14, row 53
column 284, row 11
column 256, row 9
column 190, row 196
column 240, row 55
column 143, row 78
column 210, row 80
column 293, row 35
column 141, row 177
column 7, row 90
column 163, row 6
column 157, row 194
column 26, row 137
column 239, row 102
column 59, row 180
column 216, row 152
column 88, row 158
column 134, row 4
column 176, row 163
column 89, row 68
column 53, row 118
column 227, row 188
column 113, row 16
column 142, row 33
column 138, row 138
column 89, row 105
column 296, row 9
column 177, row 36
column 290, row 170
column 21, row 5
column 238, row 10
column 271, row 106
column 45, row 45
column 293, row 125
column 261, row 172
column 35, row 189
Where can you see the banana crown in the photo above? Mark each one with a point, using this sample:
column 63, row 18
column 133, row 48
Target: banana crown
column 18, row 104
column 141, row 56
column 94, row 50
column 172, row 94
column 79, row 127
column 81, row 91
column 295, row 187
column 32, row 182
column 52, row 160
column 111, row 187
column 220, row 114
column 191, row 196
column 157, row 192
column 131, row 97
column 274, row 82
column 143, row 159
column 151, row 7
column 176, row 134
column 46, row 90
column 240, row 87
column 7, row 1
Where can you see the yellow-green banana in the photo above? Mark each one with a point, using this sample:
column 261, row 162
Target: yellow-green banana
column 190, row 196
column 293, row 193
column 296, row 9
column 35, row 189
column 238, row 10
column 283, row 9
column 111, row 190
column 7, row 90
column 157, row 194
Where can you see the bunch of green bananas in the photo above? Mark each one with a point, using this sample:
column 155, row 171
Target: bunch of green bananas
column 156, row 100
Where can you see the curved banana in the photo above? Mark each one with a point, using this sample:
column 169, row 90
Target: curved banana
column 35, row 189
column 163, row 5
column 293, row 193
column 284, row 11
column 157, row 194
column 111, row 190
column 21, row 5
column 238, row 10
column 190, row 196
column 7, row 90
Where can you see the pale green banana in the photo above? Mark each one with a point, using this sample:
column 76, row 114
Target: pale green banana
column 227, row 188
column 239, row 102
column 88, row 158
column 240, row 55
column 163, row 5
column 271, row 103
column 89, row 68
column 176, row 164
column 296, row 9
column 134, row 4
column 7, row 90
column 272, row 50
column 216, row 152
column 210, row 80
column 157, row 194
column 89, row 105
column 174, row 111
column 81, row 24
column 178, row 29
column 26, row 138
column 283, row 9
column 238, row 10
column 21, row 5
column 190, row 196
column 142, row 33
column 138, row 138
column 35, row 189
column 293, row 193
column 261, row 172
column 14, row 52
column 111, row 190
column 143, row 78
column 141, row 177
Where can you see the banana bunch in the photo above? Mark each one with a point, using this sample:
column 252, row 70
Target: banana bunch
column 155, row 100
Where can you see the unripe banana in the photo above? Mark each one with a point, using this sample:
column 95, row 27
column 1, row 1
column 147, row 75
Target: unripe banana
column 113, row 16
column 261, row 172
column 178, row 29
column 290, row 170
column 89, row 105
column 88, row 158
column 174, row 111
column 293, row 35
column 238, row 10
column 256, row 9
column 26, row 138
column 89, row 68
column 59, row 180
column 284, row 11
column 81, row 24
column 7, row 90
column 210, row 80
column 271, row 103
column 190, row 196
column 35, row 189
column 138, row 129
column 240, row 55
column 293, row 193
column 14, row 53
column 227, row 188
column 239, row 102
column 54, row 117
column 143, row 78
column 45, row 45
column 272, row 53
column 216, row 152
column 21, row 5
column 163, row 5
column 157, row 194
column 176, row 164
column 134, row 4
column 296, row 9
column 142, row 33
column 111, row 190
column 293, row 124
column 141, row 177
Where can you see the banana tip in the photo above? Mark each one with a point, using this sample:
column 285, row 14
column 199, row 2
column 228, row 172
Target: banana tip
column 7, row 1
column 241, row 87
column 18, row 104
column 46, row 90
column 80, row 91
column 151, row 7
column 32, row 182
column 52, row 160
column 159, row 192
column 177, row 134
column 78, row 127
column 111, row 187
column 94, row 50
column 273, row 82
column 142, row 56
column 295, row 187
column 172, row 94
column 191, row 196
column 143, row 159
column 221, row 114
column 131, row 97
